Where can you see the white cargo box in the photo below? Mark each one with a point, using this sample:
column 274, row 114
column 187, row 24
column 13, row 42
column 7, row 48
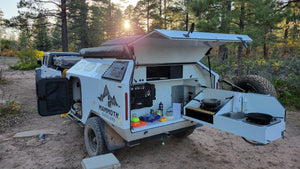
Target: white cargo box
column 106, row 161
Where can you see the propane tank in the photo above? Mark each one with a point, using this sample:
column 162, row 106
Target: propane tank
column 161, row 108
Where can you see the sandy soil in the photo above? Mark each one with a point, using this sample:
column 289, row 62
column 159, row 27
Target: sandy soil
column 205, row 148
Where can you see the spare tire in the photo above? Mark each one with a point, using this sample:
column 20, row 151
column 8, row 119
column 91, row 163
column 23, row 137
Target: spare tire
column 255, row 84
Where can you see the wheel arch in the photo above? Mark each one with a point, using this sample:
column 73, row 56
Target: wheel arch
column 112, row 139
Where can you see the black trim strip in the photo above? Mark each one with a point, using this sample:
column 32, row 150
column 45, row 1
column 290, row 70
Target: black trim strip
column 166, row 64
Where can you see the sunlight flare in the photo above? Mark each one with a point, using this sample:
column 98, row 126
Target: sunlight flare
column 126, row 24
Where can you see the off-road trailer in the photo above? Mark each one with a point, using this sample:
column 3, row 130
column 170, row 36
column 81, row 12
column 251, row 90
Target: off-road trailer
column 125, row 78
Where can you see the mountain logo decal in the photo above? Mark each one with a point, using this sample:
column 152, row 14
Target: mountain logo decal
column 111, row 99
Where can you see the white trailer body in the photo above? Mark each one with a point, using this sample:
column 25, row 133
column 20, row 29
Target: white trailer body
column 131, row 76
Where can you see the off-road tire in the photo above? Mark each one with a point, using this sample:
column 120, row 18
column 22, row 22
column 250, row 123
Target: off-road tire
column 93, row 137
column 184, row 133
column 255, row 84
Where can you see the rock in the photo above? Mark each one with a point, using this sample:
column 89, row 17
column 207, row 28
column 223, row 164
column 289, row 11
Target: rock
column 2, row 102
column 33, row 143
column 3, row 139
column 66, row 122
column 34, row 133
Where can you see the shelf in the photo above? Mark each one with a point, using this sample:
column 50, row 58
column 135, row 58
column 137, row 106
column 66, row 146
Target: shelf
column 156, row 124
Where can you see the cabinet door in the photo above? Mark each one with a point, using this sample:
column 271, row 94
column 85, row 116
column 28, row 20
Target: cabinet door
column 53, row 96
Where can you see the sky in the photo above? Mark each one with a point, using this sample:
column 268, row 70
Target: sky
column 9, row 7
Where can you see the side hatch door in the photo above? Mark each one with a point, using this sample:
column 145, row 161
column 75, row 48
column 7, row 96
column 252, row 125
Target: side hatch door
column 53, row 96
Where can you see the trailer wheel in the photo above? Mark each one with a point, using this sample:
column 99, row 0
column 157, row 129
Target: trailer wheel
column 255, row 84
column 93, row 138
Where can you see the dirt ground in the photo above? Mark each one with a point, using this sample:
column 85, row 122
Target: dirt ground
column 205, row 148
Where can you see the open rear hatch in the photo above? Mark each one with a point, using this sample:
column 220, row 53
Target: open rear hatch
column 254, row 116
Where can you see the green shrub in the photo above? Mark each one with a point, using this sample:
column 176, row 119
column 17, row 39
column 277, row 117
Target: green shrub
column 3, row 81
column 10, row 108
column 10, row 114
column 24, row 66
column 27, row 59
column 284, row 73
column 288, row 91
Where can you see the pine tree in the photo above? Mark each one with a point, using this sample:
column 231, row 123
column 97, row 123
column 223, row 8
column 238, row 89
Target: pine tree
column 291, row 27
column 213, row 16
column 41, row 40
column 96, row 28
column 266, row 16
column 1, row 20
column 136, row 25
column 149, row 12
column 56, row 37
column 113, row 21
column 78, row 26
column 34, row 7
column 24, row 40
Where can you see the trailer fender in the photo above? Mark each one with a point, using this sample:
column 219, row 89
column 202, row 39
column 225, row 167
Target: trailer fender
column 112, row 139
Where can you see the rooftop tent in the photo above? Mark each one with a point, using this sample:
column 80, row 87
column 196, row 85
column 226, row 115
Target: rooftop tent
column 116, row 48
column 122, row 41
column 162, row 46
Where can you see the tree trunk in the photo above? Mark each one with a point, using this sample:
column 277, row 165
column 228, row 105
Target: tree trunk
column 110, row 22
column 148, row 16
column 160, row 8
column 239, row 58
column 64, row 28
column 187, row 21
column 222, row 53
column 253, row 51
column 286, row 33
column 248, row 51
column 227, row 5
column 240, row 48
column 84, row 32
column 265, row 51
column 165, row 14
column 225, row 28
column 286, row 30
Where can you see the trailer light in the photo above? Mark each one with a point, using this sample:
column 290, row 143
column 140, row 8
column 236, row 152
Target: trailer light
column 126, row 106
